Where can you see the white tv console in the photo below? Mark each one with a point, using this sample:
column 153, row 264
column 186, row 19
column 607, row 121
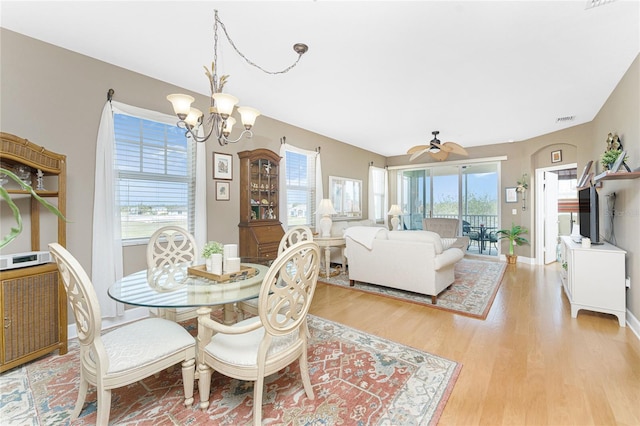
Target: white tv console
column 593, row 278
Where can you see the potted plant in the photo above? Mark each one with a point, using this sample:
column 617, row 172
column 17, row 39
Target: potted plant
column 208, row 251
column 609, row 157
column 15, row 231
column 515, row 239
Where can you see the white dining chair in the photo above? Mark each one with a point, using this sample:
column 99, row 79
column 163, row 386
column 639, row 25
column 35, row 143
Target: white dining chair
column 293, row 236
column 168, row 247
column 126, row 354
column 259, row 346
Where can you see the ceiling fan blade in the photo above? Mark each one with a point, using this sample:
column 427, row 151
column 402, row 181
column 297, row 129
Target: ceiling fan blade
column 418, row 154
column 417, row 148
column 440, row 155
column 455, row 148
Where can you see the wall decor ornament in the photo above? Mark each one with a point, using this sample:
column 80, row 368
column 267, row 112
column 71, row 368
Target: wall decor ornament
column 222, row 191
column 556, row 156
column 222, row 166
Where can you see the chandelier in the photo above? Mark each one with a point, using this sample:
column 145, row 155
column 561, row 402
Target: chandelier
column 220, row 122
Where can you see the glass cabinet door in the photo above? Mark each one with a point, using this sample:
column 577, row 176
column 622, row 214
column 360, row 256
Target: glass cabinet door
column 264, row 189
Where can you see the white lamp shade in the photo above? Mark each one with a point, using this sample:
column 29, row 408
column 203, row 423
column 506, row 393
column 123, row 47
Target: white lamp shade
column 248, row 116
column 181, row 104
column 395, row 210
column 326, row 207
column 224, row 103
column 193, row 117
column 228, row 125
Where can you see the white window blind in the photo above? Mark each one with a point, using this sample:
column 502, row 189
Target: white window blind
column 155, row 174
column 301, row 189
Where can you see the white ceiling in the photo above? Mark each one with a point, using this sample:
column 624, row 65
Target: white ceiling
column 379, row 75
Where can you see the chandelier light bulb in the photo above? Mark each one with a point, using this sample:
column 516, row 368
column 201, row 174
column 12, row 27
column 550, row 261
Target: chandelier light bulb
column 248, row 116
column 193, row 118
column 227, row 126
column 225, row 104
column 181, row 104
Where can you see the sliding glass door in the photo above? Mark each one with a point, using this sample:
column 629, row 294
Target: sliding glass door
column 465, row 192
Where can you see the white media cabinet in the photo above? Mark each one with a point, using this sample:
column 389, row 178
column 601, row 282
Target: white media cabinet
column 593, row 278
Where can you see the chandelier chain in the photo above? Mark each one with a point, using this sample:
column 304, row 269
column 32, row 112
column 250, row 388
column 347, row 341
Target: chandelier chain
column 250, row 62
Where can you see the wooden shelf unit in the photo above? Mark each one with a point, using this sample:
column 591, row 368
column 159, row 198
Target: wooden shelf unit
column 33, row 301
column 259, row 227
column 616, row 176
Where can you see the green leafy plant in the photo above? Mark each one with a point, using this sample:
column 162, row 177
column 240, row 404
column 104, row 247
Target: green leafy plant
column 212, row 247
column 514, row 236
column 16, row 230
column 610, row 156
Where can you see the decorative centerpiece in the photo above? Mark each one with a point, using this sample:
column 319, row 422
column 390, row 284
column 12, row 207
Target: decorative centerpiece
column 515, row 239
column 212, row 254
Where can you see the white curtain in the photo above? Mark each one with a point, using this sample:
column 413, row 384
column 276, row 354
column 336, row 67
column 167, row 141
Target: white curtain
column 373, row 189
column 106, row 259
column 200, row 231
column 284, row 213
column 106, row 263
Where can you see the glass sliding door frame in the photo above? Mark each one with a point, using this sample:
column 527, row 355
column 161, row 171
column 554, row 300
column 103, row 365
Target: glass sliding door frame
column 476, row 191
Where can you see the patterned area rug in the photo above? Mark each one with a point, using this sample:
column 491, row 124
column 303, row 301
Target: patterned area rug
column 358, row 379
column 472, row 293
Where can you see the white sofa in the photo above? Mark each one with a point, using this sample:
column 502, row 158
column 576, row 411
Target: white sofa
column 407, row 260
column 338, row 229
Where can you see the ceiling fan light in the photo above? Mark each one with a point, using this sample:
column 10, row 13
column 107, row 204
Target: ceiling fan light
column 224, row 103
column 248, row 116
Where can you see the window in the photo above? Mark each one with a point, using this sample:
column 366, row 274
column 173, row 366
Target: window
column 155, row 176
column 301, row 188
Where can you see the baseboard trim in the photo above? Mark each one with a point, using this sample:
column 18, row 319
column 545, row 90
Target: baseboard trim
column 633, row 324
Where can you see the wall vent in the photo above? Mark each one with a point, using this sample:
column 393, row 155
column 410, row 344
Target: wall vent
column 565, row 119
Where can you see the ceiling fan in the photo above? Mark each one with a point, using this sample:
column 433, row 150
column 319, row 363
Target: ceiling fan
column 439, row 151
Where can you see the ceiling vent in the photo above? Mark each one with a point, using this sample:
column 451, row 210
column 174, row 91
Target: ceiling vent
column 565, row 119
column 595, row 3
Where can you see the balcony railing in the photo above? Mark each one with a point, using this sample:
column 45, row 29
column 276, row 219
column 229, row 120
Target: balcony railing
column 414, row 221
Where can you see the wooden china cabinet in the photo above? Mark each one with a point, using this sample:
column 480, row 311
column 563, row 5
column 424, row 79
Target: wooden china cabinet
column 260, row 229
column 33, row 301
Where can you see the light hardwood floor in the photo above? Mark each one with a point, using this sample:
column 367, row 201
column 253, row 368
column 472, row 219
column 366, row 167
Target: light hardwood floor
column 528, row 363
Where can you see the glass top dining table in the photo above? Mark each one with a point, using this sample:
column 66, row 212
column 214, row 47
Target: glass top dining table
column 175, row 287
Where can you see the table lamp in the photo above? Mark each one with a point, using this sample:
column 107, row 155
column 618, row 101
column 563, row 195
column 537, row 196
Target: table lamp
column 325, row 208
column 395, row 211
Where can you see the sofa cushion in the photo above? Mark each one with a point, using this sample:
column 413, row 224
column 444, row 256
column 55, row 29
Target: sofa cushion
column 338, row 227
column 425, row 236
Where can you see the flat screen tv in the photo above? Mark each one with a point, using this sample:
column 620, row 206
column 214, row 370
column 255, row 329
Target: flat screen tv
column 588, row 214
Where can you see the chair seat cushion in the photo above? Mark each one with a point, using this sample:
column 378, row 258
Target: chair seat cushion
column 242, row 349
column 138, row 343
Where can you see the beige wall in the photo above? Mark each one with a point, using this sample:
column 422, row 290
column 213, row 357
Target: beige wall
column 54, row 98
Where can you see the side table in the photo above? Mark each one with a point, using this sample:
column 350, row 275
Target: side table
column 327, row 243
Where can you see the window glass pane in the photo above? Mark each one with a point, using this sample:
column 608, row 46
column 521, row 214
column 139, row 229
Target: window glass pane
column 301, row 188
column 155, row 171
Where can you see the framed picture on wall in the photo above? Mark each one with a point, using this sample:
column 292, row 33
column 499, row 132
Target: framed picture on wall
column 222, row 166
column 222, row 191
column 556, row 156
column 510, row 195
